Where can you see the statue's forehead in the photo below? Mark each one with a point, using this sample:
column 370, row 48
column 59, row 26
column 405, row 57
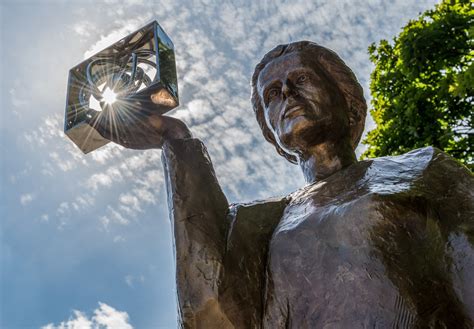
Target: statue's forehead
column 279, row 67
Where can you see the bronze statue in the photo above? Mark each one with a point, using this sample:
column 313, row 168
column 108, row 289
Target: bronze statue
column 381, row 243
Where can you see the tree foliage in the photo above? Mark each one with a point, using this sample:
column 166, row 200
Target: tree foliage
column 422, row 85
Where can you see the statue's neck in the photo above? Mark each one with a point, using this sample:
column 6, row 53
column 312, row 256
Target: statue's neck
column 323, row 160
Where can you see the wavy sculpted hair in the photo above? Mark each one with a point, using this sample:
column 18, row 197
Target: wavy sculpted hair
column 335, row 67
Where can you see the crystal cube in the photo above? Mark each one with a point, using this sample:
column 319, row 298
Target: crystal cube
column 136, row 73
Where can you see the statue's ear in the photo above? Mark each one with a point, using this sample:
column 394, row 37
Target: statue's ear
column 353, row 115
column 352, row 120
column 357, row 111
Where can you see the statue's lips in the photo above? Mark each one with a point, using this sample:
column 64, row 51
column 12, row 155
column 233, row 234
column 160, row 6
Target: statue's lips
column 293, row 111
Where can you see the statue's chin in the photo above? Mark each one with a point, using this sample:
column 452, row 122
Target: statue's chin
column 302, row 132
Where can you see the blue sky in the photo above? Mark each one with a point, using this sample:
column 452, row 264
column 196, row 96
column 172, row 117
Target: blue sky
column 85, row 239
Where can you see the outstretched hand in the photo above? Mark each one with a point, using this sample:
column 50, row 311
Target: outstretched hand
column 136, row 129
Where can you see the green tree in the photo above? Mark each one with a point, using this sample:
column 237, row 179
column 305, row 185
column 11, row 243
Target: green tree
column 422, row 85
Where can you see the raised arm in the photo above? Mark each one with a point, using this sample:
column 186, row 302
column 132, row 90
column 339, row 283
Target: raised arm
column 198, row 209
column 197, row 205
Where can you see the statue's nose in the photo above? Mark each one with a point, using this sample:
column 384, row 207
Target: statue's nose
column 288, row 89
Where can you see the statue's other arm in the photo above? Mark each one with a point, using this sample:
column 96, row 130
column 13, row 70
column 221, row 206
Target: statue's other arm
column 198, row 209
column 450, row 188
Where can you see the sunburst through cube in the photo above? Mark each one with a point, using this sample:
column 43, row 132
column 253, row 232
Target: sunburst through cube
column 109, row 96
column 134, row 74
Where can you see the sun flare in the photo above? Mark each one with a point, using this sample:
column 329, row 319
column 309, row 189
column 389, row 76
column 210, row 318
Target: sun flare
column 109, row 96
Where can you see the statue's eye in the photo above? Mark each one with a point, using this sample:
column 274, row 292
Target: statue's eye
column 274, row 92
column 302, row 78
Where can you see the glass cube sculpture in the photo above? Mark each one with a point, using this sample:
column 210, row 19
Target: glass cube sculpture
column 135, row 73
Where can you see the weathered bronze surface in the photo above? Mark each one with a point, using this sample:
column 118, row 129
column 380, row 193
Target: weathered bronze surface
column 382, row 243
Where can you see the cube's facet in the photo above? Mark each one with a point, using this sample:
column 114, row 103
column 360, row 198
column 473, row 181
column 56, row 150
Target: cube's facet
column 137, row 72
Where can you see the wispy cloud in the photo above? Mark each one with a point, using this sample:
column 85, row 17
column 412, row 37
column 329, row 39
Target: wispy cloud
column 84, row 28
column 16, row 100
column 98, row 180
column 118, row 238
column 26, row 198
column 130, row 279
column 115, row 216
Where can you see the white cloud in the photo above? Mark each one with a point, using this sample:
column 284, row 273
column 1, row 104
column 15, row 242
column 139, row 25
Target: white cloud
column 63, row 164
column 115, row 216
column 98, row 180
column 110, row 318
column 134, row 2
column 144, row 195
column 105, row 154
column 79, row 321
column 26, row 198
column 131, row 279
column 118, row 238
column 151, row 179
column 53, row 127
column 105, row 221
column 131, row 201
column 84, row 28
column 63, row 209
column 85, row 200
column 16, row 100
column 105, row 317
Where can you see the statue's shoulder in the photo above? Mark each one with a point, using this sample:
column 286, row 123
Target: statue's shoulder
column 422, row 162
column 416, row 160
column 260, row 214
column 426, row 170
